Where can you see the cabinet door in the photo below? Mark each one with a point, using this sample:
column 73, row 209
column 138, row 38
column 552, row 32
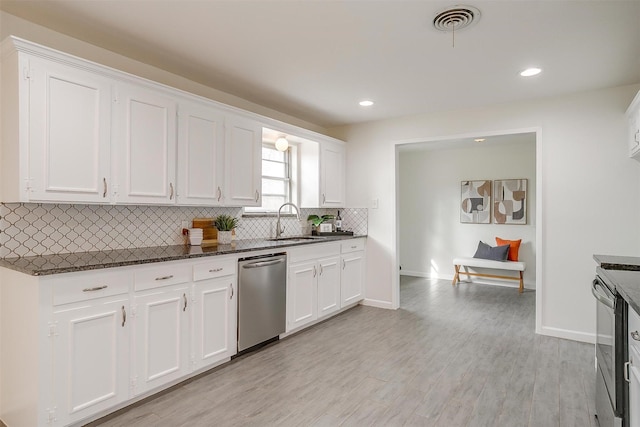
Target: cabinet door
column 200, row 156
column 243, row 154
column 332, row 163
column 302, row 294
column 328, row 286
column 91, row 358
column 214, row 322
column 69, row 134
column 145, row 129
column 161, row 343
column 634, row 395
column 352, row 279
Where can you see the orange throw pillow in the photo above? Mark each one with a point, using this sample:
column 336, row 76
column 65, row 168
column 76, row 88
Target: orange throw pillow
column 514, row 247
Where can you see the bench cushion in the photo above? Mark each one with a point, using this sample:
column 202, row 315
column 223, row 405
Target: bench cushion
column 485, row 263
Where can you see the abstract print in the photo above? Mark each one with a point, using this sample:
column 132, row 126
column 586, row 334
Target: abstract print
column 510, row 201
column 475, row 205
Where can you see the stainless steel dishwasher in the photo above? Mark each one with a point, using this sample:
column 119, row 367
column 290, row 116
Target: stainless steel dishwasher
column 262, row 299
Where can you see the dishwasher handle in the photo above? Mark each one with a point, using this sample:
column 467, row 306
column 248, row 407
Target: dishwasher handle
column 263, row 263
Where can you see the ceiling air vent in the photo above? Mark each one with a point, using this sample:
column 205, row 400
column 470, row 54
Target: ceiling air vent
column 456, row 18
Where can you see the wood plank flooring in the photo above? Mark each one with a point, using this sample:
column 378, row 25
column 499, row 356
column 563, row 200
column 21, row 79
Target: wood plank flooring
column 450, row 356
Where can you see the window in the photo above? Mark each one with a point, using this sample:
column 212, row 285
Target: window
column 276, row 180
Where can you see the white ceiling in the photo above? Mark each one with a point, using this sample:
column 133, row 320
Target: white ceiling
column 316, row 59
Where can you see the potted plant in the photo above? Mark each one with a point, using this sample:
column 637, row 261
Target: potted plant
column 317, row 220
column 225, row 225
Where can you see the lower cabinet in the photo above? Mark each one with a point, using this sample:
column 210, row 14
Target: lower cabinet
column 214, row 321
column 328, row 286
column 90, row 358
column 633, row 367
column 95, row 340
column 161, row 343
column 352, row 275
column 322, row 279
column 302, row 289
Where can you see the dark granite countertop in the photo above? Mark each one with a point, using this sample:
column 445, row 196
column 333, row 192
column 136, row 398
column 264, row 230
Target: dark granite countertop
column 613, row 262
column 627, row 284
column 81, row 261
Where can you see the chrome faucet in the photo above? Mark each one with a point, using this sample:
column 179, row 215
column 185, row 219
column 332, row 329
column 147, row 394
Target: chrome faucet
column 280, row 229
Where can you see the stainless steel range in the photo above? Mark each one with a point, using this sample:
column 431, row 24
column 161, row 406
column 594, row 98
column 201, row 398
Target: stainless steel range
column 611, row 320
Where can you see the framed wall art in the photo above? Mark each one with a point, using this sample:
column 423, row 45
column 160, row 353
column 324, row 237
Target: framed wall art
column 475, row 203
column 510, row 201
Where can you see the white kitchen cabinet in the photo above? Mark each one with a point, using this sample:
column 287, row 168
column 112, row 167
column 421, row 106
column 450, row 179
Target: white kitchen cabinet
column 200, row 155
column 90, row 357
column 332, row 175
column 633, row 373
column 145, row 139
column 302, row 294
column 243, row 161
column 313, row 285
column 214, row 336
column 633, row 116
column 352, row 275
column 329, row 298
column 56, row 132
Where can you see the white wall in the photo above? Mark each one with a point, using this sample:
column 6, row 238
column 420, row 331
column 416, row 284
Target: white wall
column 12, row 25
column 590, row 192
column 431, row 233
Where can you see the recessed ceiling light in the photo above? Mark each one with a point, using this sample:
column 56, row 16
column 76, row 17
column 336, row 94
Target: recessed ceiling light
column 366, row 103
column 529, row 72
column 479, row 140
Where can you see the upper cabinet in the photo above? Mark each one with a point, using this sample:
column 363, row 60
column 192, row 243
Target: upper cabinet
column 200, row 155
column 243, row 154
column 332, row 172
column 56, row 132
column 322, row 178
column 633, row 115
column 78, row 132
column 145, row 145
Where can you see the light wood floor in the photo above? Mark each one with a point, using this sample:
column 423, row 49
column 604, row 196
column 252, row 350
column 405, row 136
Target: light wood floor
column 451, row 356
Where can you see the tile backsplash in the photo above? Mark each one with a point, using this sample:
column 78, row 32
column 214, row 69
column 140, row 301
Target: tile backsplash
column 28, row 229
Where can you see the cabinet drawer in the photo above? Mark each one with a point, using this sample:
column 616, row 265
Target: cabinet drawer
column 84, row 286
column 161, row 275
column 352, row 245
column 213, row 269
column 634, row 327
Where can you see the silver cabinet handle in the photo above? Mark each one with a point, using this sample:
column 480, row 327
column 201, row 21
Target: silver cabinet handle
column 170, row 191
column 165, row 277
column 124, row 316
column 185, row 302
column 97, row 288
column 626, row 371
column 324, row 198
column 104, row 184
column 231, row 289
column 344, row 264
column 635, row 335
column 257, row 196
column 219, row 193
column 354, row 247
column 321, row 269
column 215, row 270
column 314, row 271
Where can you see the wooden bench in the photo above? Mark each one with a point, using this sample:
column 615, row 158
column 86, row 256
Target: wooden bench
column 486, row 263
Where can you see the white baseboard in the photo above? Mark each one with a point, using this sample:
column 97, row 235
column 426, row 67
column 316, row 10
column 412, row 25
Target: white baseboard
column 497, row 282
column 567, row 334
column 415, row 273
column 377, row 303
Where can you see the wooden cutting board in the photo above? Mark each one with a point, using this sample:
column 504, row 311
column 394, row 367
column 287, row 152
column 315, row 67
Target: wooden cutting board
column 209, row 232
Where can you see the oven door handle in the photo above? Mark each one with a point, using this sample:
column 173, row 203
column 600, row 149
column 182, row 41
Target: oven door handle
column 601, row 297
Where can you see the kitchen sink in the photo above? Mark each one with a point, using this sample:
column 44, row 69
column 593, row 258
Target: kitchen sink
column 296, row 238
